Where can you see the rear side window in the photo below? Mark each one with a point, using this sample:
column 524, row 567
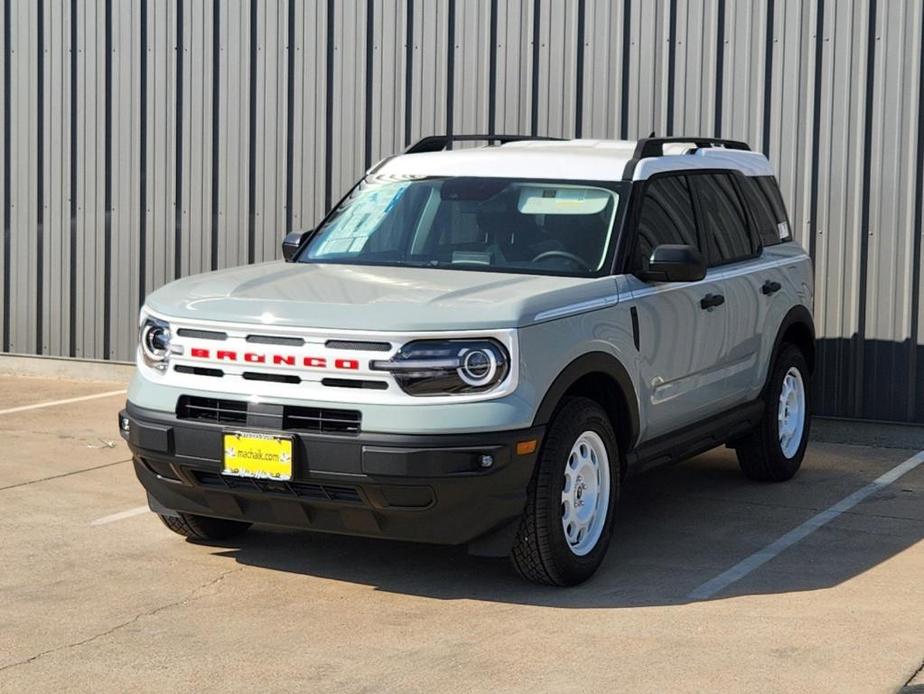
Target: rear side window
column 728, row 236
column 766, row 203
column 666, row 216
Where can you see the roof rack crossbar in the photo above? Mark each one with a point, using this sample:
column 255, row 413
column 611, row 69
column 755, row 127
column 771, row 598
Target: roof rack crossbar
column 654, row 147
column 437, row 143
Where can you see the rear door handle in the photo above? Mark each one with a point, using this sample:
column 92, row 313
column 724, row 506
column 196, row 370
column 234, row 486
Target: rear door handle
column 710, row 301
column 771, row 287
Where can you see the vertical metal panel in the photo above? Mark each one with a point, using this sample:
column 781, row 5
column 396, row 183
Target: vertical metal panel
column 695, row 55
column 308, row 114
column 389, row 42
column 271, row 97
column 428, row 100
column 472, row 55
column 126, row 213
column 24, row 166
column 5, row 89
column 278, row 106
column 648, row 83
column 514, row 66
column 603, row 56
column 744, row 70
column 557, row 67
column 890, row 232
column 56, row 167
column 839, row 227
column 234, row 128
column 349, row 94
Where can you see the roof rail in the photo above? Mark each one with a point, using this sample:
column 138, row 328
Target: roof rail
column 654, row 147
column 437, row 143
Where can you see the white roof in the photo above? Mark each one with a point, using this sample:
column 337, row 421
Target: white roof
column 584, row 160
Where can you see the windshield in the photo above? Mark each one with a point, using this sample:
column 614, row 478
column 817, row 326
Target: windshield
column 491, row 224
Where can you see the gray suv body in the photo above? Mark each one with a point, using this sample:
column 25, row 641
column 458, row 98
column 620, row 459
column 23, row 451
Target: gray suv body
column 480, row 346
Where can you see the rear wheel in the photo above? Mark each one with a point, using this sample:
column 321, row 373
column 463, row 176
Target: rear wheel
column 773, row 452
column 195, row 527
column 568, row 521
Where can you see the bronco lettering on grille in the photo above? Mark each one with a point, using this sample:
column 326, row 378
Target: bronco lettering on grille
column 275, row 359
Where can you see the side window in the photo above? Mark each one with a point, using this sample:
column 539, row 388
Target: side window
column 666, row 216
column 766, row 203
column 728, row 237
column 771, row 191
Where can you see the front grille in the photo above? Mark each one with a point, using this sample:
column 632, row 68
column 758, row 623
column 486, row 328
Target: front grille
column 211, row 410
column 294, row 418
column 303, row 490
column 321, row 420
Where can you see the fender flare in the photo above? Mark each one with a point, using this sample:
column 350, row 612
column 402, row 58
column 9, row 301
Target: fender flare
column 592, row 362
column 798, row 314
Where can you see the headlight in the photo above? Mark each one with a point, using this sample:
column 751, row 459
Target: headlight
column 445, row 367
column 155, row 342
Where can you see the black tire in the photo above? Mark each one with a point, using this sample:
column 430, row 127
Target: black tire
column 199, row 528
column 760, row 455
column 541, row 552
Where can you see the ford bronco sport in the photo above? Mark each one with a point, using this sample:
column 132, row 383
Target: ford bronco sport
column 479, row 346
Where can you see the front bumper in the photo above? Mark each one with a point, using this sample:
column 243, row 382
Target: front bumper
column 422, row 488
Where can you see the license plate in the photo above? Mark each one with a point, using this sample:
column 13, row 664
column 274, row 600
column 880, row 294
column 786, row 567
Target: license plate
column 265, row 456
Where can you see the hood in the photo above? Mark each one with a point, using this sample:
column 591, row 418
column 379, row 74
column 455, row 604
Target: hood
column 354, row 297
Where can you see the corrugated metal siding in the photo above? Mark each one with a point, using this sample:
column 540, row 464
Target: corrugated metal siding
column 150, row 139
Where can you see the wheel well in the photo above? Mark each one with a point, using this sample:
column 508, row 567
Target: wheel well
column 606, row 391
column 800, row 335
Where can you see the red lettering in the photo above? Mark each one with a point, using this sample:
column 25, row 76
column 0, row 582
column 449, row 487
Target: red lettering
column 254, row 358
column 349, row 364
column 315, row 362
column 223, row 354
column 281, row 360
column 199, row 353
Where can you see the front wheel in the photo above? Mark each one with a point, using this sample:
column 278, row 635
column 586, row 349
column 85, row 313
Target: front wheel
column 773, row 452
column 199, row 528
column 566, row 527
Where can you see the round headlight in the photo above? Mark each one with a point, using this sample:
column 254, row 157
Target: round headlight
column 155, row 342
column 478, row 366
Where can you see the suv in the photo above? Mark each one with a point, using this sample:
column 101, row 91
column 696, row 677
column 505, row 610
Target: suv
column 480, row 346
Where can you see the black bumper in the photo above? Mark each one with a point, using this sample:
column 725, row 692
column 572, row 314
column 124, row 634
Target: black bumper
column 421, row 488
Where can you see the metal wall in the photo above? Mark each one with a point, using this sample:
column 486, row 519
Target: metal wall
column 145, row 140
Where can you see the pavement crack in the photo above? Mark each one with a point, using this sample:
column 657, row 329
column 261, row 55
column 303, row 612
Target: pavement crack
column 66, row 474
column 911, row 680
column 194, row 594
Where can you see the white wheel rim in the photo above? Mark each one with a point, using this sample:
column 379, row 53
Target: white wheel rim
column 585, row 495
column 791, row 413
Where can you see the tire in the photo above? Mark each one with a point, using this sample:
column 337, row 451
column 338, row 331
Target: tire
column 766, row 455
column 200, row 528
column 542, row 551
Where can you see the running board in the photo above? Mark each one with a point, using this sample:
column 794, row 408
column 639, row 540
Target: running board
column 696, row 438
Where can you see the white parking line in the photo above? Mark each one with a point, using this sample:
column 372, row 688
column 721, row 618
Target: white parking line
column 52, row 403
column 122, row 515
column 743, row 568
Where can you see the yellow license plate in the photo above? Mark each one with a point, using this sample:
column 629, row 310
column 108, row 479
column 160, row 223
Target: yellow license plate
column 258, row 455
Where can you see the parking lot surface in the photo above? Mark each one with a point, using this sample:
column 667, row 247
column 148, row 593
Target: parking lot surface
column 96, row 595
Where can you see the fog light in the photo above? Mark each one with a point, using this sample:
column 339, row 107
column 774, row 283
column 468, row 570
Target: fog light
column 125, row 424
column 487, row 460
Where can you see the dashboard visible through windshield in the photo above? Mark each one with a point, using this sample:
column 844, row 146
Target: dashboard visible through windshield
column 468, row 223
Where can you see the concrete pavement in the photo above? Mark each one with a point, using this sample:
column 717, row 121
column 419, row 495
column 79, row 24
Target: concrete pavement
column 125, row 605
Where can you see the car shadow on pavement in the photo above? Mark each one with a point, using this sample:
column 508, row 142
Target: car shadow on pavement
column 677, row 528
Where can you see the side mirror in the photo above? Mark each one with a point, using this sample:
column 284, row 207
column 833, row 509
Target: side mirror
column 675, row 263
column 291, row 244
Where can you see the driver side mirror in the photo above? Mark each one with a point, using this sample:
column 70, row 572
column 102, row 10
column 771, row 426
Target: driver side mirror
column 674, row 263
column 291, row 244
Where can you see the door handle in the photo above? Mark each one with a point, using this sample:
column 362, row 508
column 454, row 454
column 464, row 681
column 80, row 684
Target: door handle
column 710, row 301
column 771, row 287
